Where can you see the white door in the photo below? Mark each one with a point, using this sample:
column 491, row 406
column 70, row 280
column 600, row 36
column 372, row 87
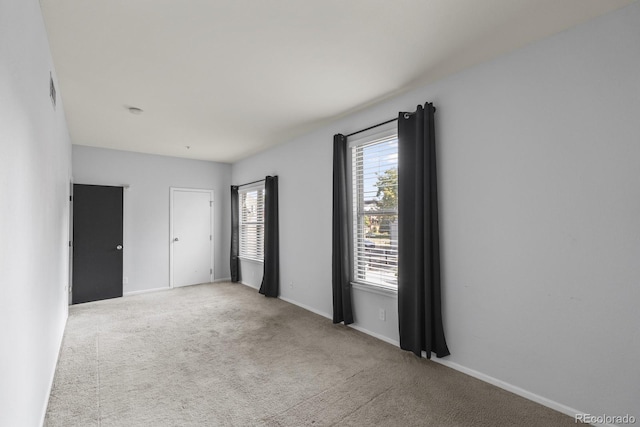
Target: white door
column 191, row 236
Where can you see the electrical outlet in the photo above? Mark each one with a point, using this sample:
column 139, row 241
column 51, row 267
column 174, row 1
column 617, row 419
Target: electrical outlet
column 382, row 314
column 291, row 284
column 125, row 280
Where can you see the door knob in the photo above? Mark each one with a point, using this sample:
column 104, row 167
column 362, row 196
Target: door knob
column 119, row 247
column 175, row 240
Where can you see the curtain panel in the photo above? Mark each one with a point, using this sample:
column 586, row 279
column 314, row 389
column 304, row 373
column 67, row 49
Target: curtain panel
column 341, row 235
column 271, row 277
column 419, row 292
column 235, row 235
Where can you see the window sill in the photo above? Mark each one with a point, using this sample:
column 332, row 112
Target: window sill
column 376, row 289
column 256, row 261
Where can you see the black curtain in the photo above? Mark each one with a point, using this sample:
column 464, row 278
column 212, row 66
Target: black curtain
column 235, row 239
column 341, row 256
column 271, row 276
column 419, row 309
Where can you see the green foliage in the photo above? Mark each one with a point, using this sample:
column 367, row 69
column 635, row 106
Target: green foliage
column 387, row 184
column 387, row 194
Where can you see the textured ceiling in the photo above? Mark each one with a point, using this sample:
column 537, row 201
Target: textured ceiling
column 229, row 78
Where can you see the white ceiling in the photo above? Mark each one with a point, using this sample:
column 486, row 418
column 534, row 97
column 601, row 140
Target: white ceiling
column 230, row 78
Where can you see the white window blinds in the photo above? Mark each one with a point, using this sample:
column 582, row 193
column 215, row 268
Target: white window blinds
column 252, row 223
column 375, row 211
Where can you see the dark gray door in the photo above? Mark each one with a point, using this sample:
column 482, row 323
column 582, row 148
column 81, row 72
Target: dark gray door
column 97, row 243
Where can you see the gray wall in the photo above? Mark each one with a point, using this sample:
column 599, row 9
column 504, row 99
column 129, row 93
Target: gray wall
column 35, row 169
column 146, row 222
column 304, row 168
column 540, row 207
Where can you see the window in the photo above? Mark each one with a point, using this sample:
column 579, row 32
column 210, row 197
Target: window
column 252, row 223
column 374, row 179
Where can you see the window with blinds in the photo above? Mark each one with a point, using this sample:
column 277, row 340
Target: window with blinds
column 251, row 225
column 375, row 210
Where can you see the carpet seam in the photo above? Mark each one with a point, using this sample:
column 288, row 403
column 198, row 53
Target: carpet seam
column 344, row 380
column 365, row 403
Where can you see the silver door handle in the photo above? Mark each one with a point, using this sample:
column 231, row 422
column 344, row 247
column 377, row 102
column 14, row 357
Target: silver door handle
column 119, row 247
column 175, row 240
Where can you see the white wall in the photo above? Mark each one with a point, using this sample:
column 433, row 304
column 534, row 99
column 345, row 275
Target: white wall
column 540, row 215
column 35, row 169
column 146, row 222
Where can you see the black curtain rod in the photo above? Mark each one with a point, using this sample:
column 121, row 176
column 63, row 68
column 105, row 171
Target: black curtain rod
column 371, row 127
column 249, row 183
column 379, row 124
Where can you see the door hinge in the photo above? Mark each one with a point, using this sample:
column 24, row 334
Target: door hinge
column 71, row 198
column 70, row 244
column 210, row 238
column 211, row 271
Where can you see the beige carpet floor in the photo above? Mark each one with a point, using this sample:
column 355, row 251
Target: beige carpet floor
column 223, row 355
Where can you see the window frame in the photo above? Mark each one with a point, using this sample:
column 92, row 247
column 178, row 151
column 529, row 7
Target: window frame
column 379, row 134
column 241, row 234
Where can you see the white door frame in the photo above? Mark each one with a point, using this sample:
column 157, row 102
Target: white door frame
column 172, row 190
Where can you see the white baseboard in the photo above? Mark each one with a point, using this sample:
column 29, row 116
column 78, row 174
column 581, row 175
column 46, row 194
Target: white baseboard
column 486, row 378
column 249, row 285
column 510, row 387
column 330, row 317
column 55, row 366
column 306, row 307
column 144, row 291
column 375, row 335
column 290, row 301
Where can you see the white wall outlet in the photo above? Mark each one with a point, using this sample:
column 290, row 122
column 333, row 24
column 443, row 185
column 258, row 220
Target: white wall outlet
column 126, row 280
column 382, row 314
column 291, row 284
